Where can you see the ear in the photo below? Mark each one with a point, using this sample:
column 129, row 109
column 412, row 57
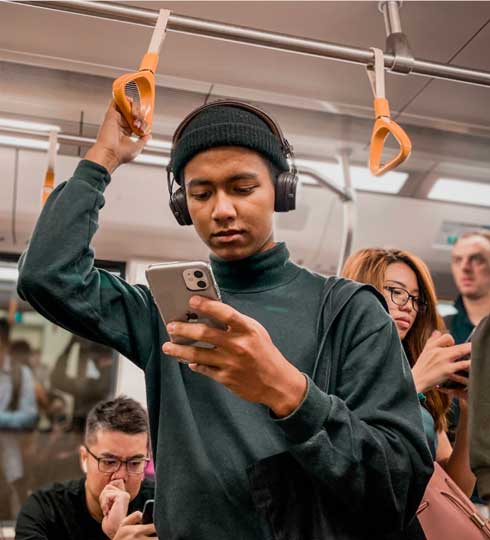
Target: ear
column 83, row 459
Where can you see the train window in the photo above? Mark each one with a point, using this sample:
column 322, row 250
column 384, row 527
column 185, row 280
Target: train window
column 49, row 380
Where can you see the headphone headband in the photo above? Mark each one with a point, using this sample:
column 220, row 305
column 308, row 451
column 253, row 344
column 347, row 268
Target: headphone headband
column 285, row 190
column 272, row 124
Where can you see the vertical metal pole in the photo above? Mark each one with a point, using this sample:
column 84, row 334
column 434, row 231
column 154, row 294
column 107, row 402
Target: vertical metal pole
column 391, row 12
column 349, row 210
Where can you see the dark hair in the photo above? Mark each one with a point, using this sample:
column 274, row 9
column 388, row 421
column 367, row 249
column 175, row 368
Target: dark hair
column 4, row 332
column 119, row 414
column 20, row 351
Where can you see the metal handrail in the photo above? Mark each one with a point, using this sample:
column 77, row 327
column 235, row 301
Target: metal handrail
column 345, row 193
column 260, row 38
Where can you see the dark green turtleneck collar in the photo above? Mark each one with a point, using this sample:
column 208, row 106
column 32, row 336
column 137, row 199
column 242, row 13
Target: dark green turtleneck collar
column 259, row 272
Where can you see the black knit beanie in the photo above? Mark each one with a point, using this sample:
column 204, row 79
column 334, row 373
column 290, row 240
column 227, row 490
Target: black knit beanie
column 226, row 125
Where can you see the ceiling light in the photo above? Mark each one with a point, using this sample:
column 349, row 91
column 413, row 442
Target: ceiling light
column 155, row 143
column 21, row 142
column 10, row 123
column 150, row 159
column 460, row 191
column 445, row 309
column 8, row 273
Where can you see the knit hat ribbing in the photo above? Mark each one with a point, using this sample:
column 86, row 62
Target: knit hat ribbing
column 226, row 125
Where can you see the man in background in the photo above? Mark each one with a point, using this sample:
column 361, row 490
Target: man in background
column 470, row 264
column 108, row 500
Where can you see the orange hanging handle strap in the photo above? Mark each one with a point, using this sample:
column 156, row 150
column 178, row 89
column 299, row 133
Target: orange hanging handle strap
column 48, row 184
column 383, row 124
column 136, row 91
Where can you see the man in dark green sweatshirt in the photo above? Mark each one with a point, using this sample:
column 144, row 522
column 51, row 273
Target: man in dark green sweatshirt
column 223, row 425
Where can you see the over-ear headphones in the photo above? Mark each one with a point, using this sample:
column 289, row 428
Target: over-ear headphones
column 285, row 184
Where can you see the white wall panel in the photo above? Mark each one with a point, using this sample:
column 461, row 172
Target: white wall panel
column 7, row 168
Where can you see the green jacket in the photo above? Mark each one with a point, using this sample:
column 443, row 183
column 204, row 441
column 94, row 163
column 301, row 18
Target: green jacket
column 363, row 442
column 479, row 407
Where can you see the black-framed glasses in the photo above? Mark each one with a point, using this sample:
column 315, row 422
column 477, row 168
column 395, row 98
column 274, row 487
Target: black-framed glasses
column 113, row 464
column 400, row 297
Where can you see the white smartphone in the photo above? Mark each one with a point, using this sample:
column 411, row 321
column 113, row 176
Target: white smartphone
column 173, row 284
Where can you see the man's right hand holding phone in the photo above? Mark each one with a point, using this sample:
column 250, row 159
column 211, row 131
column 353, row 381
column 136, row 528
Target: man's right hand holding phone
column 132, row 529
column 440, row 361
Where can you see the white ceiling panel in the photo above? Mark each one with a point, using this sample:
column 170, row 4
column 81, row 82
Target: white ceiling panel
column 466, row 104
column 436, row 30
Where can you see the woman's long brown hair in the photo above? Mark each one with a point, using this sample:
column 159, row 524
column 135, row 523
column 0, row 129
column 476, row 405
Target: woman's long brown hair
column 369, row 266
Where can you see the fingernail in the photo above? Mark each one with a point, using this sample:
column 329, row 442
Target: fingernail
column 195, row 301
column 170, row 327
column 166, row 347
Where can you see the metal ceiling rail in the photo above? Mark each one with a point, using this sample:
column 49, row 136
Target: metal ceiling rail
column 345, row 193
column 260, row 38
column 78, row 140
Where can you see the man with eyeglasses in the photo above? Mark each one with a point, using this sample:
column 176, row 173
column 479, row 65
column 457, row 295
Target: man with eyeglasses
column 107, row 502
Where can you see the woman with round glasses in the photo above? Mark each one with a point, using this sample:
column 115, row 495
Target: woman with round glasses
column 407, row 286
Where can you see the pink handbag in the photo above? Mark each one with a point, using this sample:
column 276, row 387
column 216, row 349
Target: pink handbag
column 446, row 513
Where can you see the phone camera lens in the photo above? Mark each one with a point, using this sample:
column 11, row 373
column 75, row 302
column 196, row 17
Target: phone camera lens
column 198, row 274
column 201, row 284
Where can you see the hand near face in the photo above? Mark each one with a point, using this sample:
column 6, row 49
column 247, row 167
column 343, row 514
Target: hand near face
column 244, row 359
column 114, row 502
column 131, row 529
column 439, row 362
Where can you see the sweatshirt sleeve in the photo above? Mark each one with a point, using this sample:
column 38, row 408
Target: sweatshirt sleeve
column 58, row 278
column 479, row 408
column 365, row 441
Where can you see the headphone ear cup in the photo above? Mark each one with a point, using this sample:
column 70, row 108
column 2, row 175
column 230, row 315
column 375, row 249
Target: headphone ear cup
column 178, row 205
column 286, row 185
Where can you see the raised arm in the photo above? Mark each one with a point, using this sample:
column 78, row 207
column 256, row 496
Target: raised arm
column 57, row 274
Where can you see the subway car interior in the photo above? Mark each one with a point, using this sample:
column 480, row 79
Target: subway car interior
column 417, row 180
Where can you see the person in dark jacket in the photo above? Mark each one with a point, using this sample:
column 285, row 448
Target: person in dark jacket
column 258, row 408
column 107, row 501
column 479, row 407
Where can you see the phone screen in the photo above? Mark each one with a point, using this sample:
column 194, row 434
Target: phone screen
column 148, row 512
